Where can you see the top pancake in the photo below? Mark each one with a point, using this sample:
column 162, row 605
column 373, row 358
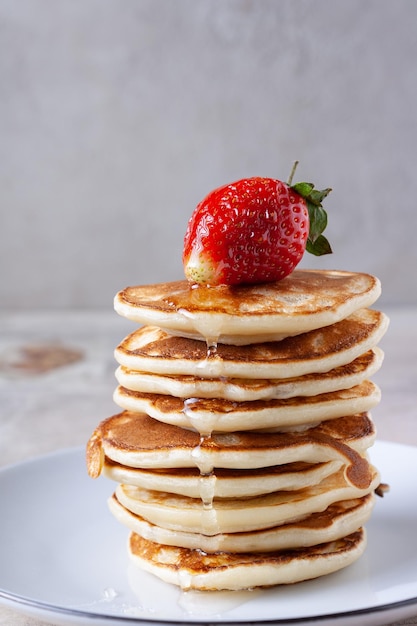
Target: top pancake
column 240, row 315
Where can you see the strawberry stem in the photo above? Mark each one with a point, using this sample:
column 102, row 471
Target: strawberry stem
column 291, row 176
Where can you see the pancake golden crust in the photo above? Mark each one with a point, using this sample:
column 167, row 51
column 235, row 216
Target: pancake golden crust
column 138, row 432
column 151, row 349
column 136, row 440
column 207, row 415
column 194, row 569
column 247, row 389
column 305, row 300
column 222, row 483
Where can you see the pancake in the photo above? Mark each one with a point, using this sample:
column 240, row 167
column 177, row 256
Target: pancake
column 222, row 483
column 303, row 301
column 137, row 440
column 338, row 520
column 247, row 389
column 150, row 349
column 237, row 515
column 194, row 569
column 208, row 415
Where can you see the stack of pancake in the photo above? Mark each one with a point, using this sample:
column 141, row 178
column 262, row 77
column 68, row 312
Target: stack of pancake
column 241, row 451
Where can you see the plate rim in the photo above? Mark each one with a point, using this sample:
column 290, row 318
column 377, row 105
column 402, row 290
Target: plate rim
column 13, row 600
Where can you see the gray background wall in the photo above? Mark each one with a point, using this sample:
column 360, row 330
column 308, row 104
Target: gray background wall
column 118, row 116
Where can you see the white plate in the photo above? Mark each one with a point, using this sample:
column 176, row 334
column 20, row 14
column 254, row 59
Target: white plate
column 63, row 558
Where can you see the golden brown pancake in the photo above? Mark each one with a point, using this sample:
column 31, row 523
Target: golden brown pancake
column 151, row 349
column 236, row 515
column 208, row 415
column 338, row 520
column 248, row 389
column 222, row 483
column 303, row 301
column 137, row 440
column 194, row 569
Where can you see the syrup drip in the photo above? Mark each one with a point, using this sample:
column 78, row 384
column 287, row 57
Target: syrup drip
column 207, row 330
column 211, row 349
column 203, row 428
column 197, row 603
column 206, row 485
column 207, row 478
column 212, row 365
column 200, row 459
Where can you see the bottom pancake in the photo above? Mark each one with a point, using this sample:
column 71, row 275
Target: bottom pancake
column 194, row 569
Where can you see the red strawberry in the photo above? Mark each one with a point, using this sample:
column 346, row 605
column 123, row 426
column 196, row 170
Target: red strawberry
column 254, row 230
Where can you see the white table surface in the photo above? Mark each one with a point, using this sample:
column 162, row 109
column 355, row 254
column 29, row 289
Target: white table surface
column 42, row 411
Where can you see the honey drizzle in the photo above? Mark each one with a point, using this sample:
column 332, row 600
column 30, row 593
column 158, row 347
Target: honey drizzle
column 207, row 478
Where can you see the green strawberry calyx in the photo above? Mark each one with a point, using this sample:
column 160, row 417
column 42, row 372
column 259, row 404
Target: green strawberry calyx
column 317, row 243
